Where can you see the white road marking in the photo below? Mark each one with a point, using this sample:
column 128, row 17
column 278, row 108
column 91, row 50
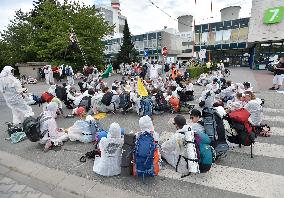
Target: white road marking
column 262, row 149
column 236, row 180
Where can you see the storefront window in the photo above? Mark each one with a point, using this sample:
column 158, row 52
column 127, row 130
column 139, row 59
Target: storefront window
column 219, row 35
column 226, row 36
column 243, row 35
column 204, row 38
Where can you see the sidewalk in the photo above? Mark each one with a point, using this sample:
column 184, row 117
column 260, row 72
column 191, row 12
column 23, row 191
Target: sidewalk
column 11, row 188
column 20, row 177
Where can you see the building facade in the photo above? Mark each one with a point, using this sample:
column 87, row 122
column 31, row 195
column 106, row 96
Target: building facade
column 225, row 41
column 151, row 43
column 266, row 37
column 113, row 16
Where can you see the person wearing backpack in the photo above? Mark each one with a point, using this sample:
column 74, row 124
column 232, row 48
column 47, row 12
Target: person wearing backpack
column 197, row 124
column 53, row 135
column 207, row 98
column 108, row 164
column 69, row 73
column 180, row 151
column 146, row 153
column 107, row 103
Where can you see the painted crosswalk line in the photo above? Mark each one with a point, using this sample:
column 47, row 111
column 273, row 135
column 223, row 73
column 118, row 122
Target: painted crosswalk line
column 236, row 180
column 273, row 118
column 271, row 110
column 262, row 149
column 276, row 131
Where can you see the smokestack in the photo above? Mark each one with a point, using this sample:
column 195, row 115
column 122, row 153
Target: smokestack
column 115, row 4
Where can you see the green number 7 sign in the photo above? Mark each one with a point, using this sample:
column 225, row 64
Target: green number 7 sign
column 273, row 15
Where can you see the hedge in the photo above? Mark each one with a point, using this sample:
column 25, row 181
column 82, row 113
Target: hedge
column 194, row 72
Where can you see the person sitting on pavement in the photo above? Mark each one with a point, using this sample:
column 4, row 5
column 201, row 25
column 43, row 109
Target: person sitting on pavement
column 146, row 124
column 174, row 147
column 196, row 121
column 278, row 75
column 207, row 98
column 53, row 135
column 253, row 105
column 108, row 164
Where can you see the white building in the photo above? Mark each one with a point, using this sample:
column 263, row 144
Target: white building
column 112, row 14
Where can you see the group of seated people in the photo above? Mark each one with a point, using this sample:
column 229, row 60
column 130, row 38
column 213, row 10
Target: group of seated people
column 223, row 95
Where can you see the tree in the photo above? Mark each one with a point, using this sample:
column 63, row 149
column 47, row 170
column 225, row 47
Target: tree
column 43, row 34
column 127, row 53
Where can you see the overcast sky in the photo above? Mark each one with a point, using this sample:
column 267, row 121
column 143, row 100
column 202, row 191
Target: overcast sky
column 142, row 15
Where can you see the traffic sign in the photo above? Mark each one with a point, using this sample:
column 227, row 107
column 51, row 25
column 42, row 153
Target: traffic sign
column 165, row 51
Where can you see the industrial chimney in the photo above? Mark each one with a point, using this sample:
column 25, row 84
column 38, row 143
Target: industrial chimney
column 230, row 13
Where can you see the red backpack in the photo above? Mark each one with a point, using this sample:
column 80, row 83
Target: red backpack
column 239, row 121
column 46, row 97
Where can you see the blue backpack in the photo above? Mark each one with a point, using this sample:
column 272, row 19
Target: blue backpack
column 68, row 71
column 206, row 152
column 147, row 107
column 144, row 156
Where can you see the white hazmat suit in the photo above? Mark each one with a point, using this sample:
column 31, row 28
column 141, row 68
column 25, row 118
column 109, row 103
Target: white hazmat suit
column 109, row 162
column 53, row 134
column 12, row 91
column 174, row 147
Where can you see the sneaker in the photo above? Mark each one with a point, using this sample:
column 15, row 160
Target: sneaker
column 47, row 146
column 272, row 88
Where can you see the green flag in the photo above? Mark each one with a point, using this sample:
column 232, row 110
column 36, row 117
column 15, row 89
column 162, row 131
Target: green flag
column 107, row 72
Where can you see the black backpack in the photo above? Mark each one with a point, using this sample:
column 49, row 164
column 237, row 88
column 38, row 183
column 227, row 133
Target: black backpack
column 61, row 93
column 127, row 154
column 106, row 100
column 161, row 102
column 31, row 127
column 214, row 128
column 86, row 103
column 124, row 100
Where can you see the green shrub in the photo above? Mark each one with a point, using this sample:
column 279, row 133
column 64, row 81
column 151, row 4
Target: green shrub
column 195, row 72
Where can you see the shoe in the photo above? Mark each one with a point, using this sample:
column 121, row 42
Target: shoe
column 277, row 89
column 272, row 88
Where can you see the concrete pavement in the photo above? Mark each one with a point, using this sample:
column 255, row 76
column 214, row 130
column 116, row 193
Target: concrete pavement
column 19, row 175
column 237, row 175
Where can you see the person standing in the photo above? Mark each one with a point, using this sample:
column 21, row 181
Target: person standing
column 69, row 73
column 278, row 75
column 46, row 74
column 50, row 75
column 13, row 94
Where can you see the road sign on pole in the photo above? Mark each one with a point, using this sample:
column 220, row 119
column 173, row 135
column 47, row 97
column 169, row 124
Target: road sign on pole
column 165, row 52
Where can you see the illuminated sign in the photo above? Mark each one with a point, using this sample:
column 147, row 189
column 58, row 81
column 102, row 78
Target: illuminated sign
column 273, row 15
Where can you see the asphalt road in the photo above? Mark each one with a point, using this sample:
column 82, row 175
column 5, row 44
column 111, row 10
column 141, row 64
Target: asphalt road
column 237, row 175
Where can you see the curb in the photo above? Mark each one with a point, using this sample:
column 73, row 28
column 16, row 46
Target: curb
column 54, row 182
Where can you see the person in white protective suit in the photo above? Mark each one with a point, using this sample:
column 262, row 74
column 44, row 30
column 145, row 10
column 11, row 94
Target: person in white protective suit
column 50, row 75
column 154, row 73
column 13, row 94
column 52, row 89
column 46, row 74
column 179, row 151
column 83, row 130
column 108, row 164
column 207, row 98
column 53, row 135
column 146, row 124
column 253, row 105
